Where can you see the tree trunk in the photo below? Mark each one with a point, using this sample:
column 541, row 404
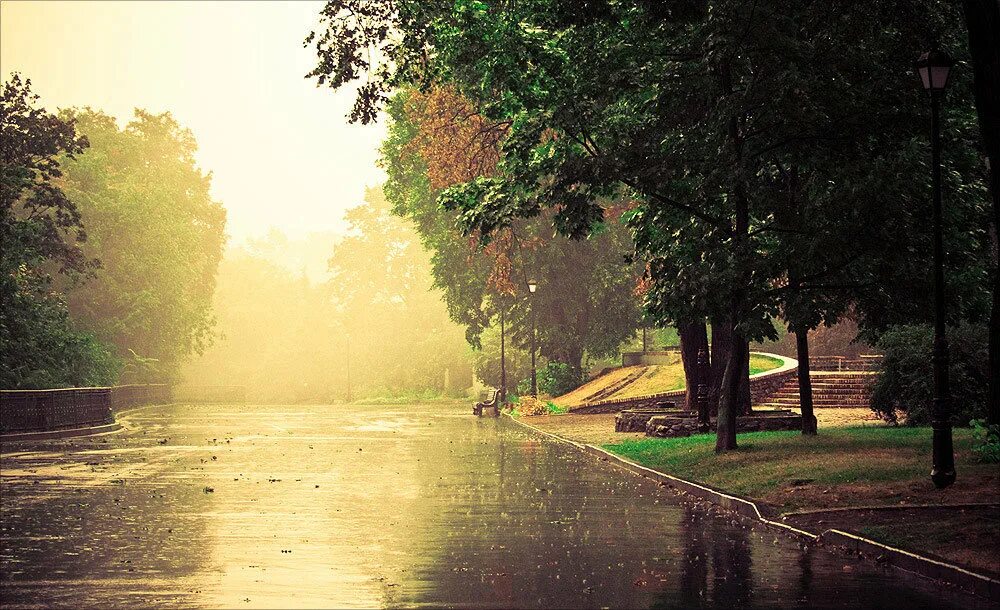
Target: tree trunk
column 722, row 344
column 725, row 439
column 694, row 338
column 982, row 19
column 805, row 383
column 745, row 407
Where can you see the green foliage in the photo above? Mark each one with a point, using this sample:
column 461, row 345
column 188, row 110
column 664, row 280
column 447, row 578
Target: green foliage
column 742, row 131
column 39, row 348
column 40, row 236
column 906, row 379
column 152, row 222
column 986, row 442
column 486, row 360
column 557, row 378
column 585, row 302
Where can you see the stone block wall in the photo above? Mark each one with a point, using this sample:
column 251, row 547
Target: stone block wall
column 635, row 420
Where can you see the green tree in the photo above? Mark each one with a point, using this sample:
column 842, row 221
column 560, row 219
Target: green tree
column 704, row 112
column 40, row 233
column 153, row 223
column 585, row 302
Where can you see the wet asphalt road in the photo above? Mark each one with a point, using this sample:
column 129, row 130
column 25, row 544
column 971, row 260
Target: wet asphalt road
column 334, row 506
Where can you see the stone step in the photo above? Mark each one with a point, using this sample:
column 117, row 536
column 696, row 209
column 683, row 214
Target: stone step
column 821, row 403
column 795, row 395
column 769, row 406
column 831, row 390
column 828, row 384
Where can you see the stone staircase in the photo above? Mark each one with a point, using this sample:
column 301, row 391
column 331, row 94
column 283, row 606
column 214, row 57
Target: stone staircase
column 830, row 389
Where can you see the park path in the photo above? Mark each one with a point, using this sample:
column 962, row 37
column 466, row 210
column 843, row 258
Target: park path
column 347, row 506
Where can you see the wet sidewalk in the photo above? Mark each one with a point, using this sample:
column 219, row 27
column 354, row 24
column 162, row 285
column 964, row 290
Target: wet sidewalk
column 334, row 506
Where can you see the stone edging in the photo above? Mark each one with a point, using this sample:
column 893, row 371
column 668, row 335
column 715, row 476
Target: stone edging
column 970, row 582
column 65, row 433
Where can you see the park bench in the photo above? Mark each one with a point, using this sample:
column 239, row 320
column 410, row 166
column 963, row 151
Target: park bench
column 492, row 404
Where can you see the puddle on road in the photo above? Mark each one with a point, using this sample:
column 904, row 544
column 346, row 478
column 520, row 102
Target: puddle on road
column 380, row 510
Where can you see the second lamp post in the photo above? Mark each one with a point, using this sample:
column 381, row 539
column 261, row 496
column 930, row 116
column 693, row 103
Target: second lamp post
column 933, row 69
column 532, row 287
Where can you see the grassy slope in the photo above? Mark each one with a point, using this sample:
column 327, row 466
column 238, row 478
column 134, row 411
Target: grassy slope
column 656, row 379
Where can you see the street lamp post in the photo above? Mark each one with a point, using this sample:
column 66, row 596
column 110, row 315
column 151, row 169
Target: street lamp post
column 532, row 287
column 503, row 357
column 933, row 68
column 347, row 353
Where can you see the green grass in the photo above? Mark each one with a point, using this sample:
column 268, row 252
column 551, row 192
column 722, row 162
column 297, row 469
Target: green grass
column 767, row 462
column 759, row 363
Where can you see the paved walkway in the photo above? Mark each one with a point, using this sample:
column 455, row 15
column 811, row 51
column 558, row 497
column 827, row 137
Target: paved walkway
column 332, row 506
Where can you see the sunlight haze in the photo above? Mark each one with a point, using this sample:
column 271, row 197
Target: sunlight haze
column 280, row 150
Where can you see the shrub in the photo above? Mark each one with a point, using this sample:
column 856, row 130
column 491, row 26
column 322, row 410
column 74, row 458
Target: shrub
column 529, row 405
column 906, row 379
column 986, row 442
column 557, row 378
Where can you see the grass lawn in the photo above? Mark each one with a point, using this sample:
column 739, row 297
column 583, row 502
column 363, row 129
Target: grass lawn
column 839, row 467
column 760, row 363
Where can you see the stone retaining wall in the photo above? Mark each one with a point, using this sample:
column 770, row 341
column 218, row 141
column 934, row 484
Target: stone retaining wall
column 634, row 420
column 670, row 426
column 866, row 362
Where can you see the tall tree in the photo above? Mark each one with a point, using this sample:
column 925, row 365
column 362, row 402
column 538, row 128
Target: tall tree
column 982, row 19
column 40, row 236
column 584, row 304
column 697, row 110
column 153, row 223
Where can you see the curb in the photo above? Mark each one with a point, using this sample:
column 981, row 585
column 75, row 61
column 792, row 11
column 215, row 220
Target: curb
column 66, row 433
column 911, row 563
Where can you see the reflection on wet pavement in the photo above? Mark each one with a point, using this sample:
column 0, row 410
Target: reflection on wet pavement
column 336, row 506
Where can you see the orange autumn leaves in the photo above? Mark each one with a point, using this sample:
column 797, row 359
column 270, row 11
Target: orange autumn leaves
column 458, row 145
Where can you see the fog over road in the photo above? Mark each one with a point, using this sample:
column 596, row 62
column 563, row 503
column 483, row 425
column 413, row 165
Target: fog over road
column 348, row 506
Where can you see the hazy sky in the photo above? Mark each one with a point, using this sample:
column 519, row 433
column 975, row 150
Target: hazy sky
column 281, row 151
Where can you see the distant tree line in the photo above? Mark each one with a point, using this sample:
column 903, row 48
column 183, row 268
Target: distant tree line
column 772, row 157
column 368, row 326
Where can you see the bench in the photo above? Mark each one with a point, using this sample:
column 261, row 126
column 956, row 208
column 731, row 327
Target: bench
column 492, row 404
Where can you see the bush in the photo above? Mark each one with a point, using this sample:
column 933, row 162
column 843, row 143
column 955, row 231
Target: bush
column 986, row 442
column 528, row 405
column 906, row 379
column 558, row 378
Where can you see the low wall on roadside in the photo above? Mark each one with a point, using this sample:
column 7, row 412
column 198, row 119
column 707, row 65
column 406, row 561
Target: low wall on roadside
column 44, row 410
column 236, row 394
column 128, row 396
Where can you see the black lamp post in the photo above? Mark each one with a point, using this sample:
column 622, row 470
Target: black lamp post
column 503, row 356
column 933, row 68
column 532, row 287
